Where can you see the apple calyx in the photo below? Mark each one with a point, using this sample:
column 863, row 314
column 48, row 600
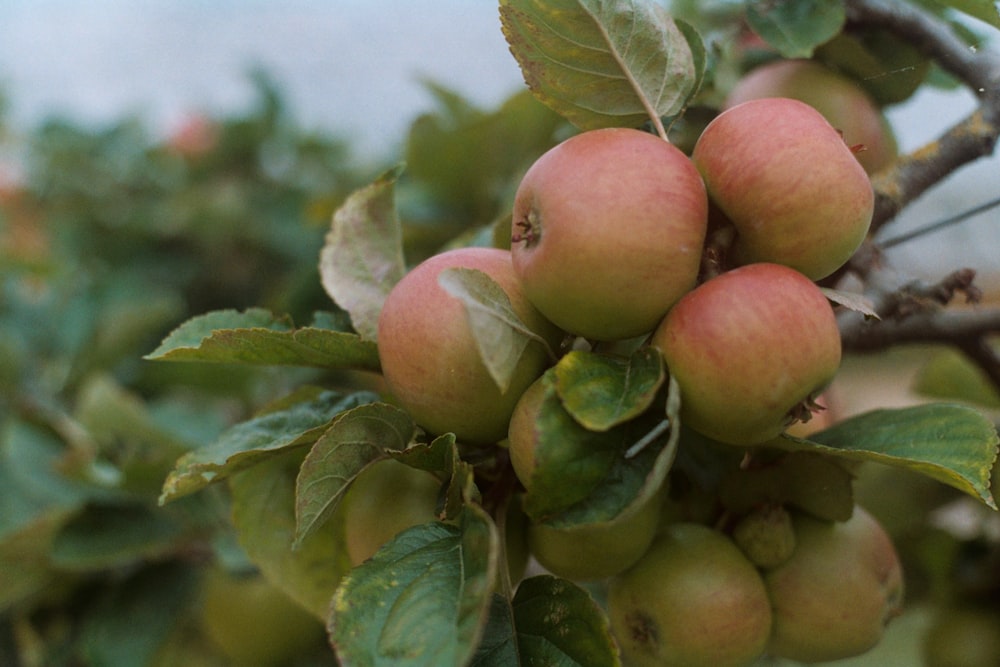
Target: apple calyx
column 530, row 230
column 804, row 410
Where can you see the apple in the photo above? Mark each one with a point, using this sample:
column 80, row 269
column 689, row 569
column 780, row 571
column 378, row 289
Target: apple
column 844, row 103
column 788, row 182
column 836, row 593
column 693, row 600
column 254, row 623
column 607, row 232
column 597, row 551
column 430, row 361
column 384, row 499
column 750, row 348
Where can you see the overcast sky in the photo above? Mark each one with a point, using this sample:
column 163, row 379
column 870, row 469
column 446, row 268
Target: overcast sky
column 349, row 65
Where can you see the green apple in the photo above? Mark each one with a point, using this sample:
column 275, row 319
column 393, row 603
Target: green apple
column 607, row 232
column 431, row 362
column 842, row 101
column 750, row 348
column 383, row 500
column 693, row 600
column 254, row 623
column 788, row 182
column 833, row 598
column 597, row 551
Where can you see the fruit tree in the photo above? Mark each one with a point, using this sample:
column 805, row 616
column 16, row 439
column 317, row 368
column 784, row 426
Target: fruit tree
column 583, row 390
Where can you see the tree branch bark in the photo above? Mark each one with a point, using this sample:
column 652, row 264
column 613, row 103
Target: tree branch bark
column 969, row 140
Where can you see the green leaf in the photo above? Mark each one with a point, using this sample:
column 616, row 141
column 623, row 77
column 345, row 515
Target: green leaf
column 601, row 64
column 106, row 537
column 247, row 443
column 264, row 519
column 603, row 390
column 649, row 447
column 796, row 27
column 134, row 618
column 953, row 444
column 33, row 489
column 499, row 333
column 550, row 621
column 359, row 437
column 422, row 600
column 257, row 337
column 25, row 568
column 570, row 460
column 559, row 623
column 587, row 477
column 984, row 10
column 362, row 258
column 498, row 646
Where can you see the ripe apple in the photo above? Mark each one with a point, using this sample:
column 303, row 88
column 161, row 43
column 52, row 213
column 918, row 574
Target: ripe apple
column 254, row 623
column 749, row 349
column 608, row 228
column 430, row 360
column 842, row 101
column 693, row 600
column 833, row 598
column 385, row 499
column 791, row 186
column 598, row 551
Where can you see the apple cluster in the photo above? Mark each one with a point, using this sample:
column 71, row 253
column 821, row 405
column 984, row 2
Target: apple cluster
column 712, row 258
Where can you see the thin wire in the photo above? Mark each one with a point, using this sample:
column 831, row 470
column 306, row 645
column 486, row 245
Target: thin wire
column 941, row 224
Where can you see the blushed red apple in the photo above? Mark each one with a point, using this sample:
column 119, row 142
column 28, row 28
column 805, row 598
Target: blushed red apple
column 430, row 360
column 608, row 228
column 750, row 348
column 791, row 186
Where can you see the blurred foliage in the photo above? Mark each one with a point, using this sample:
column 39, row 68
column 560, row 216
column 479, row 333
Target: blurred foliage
column 110, row 236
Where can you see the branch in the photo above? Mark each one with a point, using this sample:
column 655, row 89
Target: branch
column 969, row 140
column 934, row 326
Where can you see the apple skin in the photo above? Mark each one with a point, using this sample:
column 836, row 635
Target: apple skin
column 429, row 357
column 693, row 600
column 842, row 101
column 383, row 500
column 833, row 598
column 791, row 186
column 608, row 229
column 749, row 348
column 599, row 551
column 254, row 623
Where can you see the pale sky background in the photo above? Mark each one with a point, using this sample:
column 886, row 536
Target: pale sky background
column 353, row 67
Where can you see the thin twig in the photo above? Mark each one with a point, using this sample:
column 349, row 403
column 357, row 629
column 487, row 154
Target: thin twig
column 939, row 225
